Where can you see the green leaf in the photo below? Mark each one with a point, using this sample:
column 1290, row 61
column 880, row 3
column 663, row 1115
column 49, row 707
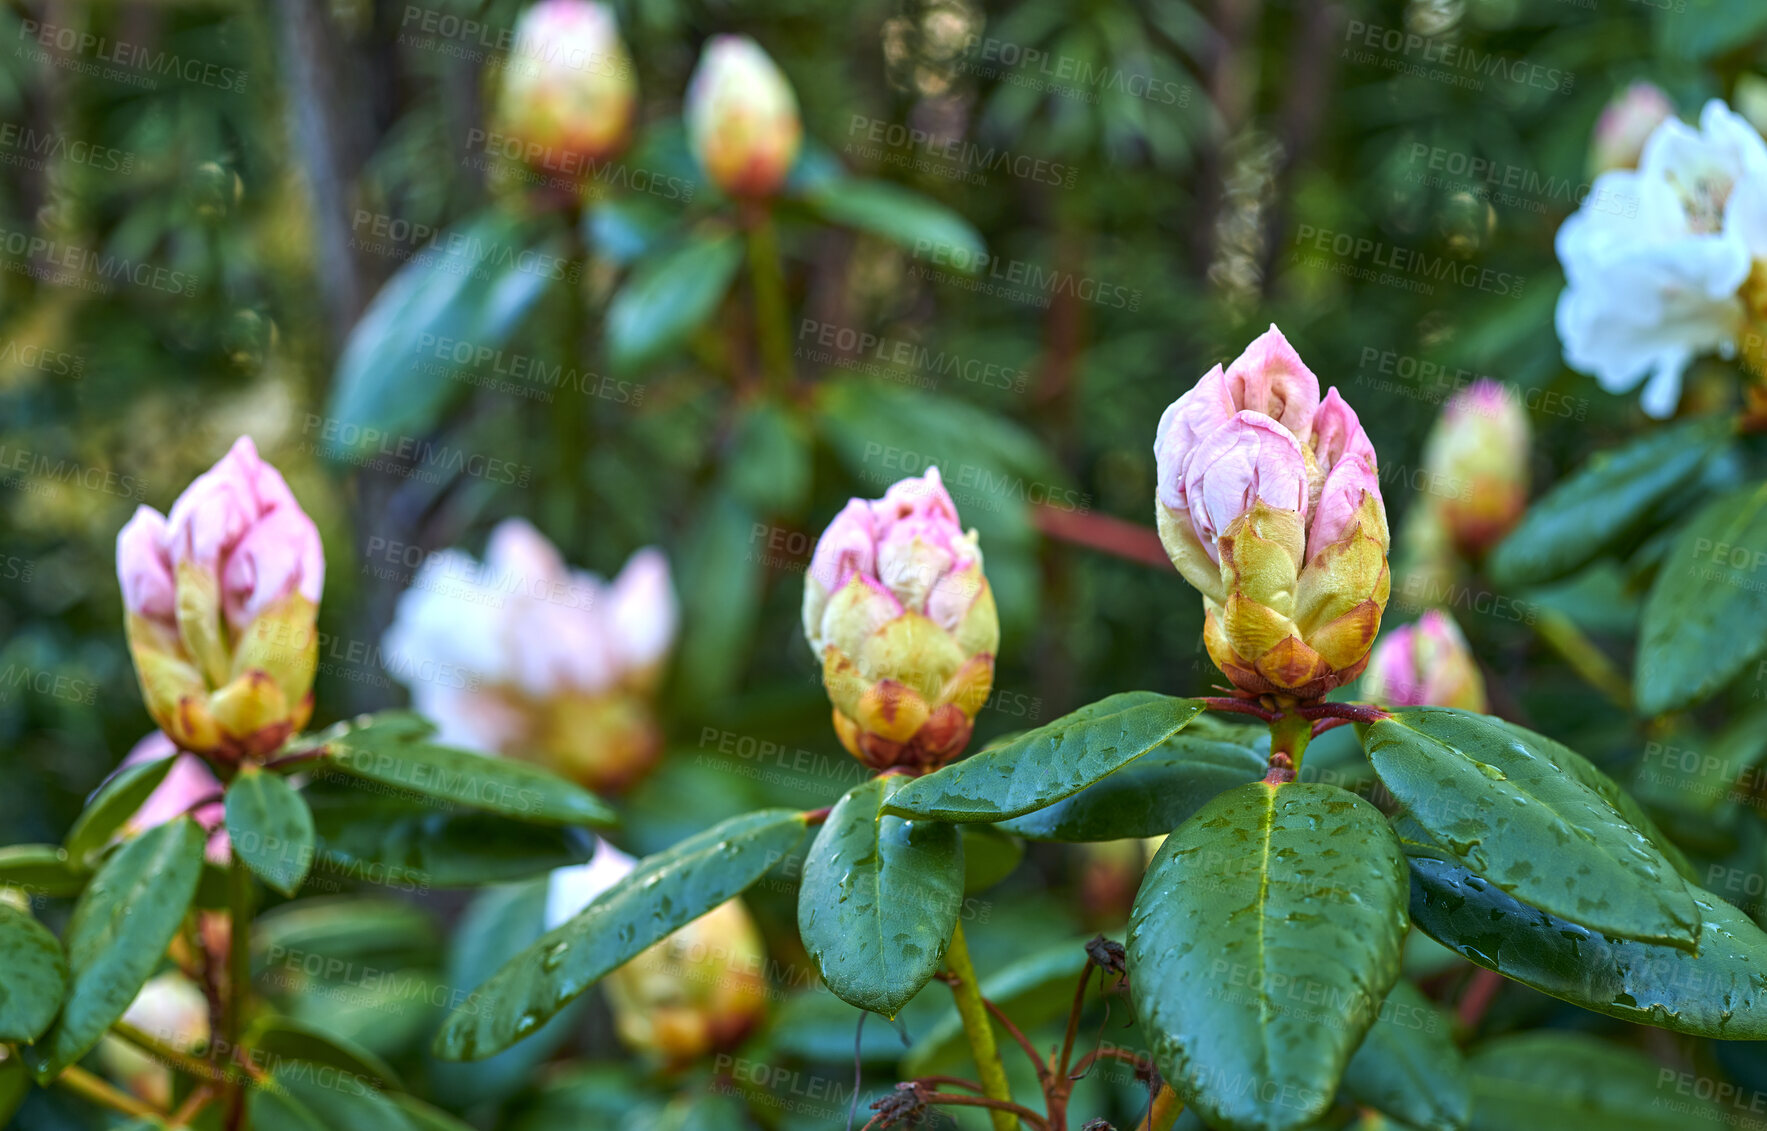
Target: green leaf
column 1266, row 935
column 1048, row 764
column 111, row 804
column 1703, row 29
column 40, row 870
column 989, row 856
column 903, row 217
column 1606, row 503
column 378, row 931
column 1408, row 1066
column 1154, row 794
column 769, row 468
column 409, row 845
column 423, row 1117
column 1524, row 812
column 14, row 1083
column 285, row 1038
column 392, row 748
column 122, row 924
column 1032, row 990
column 270, row 828
column 35, row 976
column 721, row 577
column 669, row 295
column 474, row 286
column 1720, row 992
column 334, row 1099
column 1706, row 616
column 664, row 893
column 879, row 899
column 1578, row 1082
column 270, row 1107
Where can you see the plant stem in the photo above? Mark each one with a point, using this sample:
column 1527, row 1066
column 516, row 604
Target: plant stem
column 768, row 278
column 1289, row 736
column 1588, row 661
column 239, row 970
column 976, row 1026
column 167, row 1055
column 81, row 1082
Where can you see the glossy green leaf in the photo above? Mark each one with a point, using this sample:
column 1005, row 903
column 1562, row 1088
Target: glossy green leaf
column 271, row 829
column 333, row 1098
column 664, row 893
column 409, row 845
column 1579, row 1082
column 270, row 1107
column 1720, row 992
column 989, row 856
column 393, row 748
column 423, row 1117
column 122, row 924
column 475, row 285
column 285, row 1038
column 1526, row 813
column 1266, row 934
column 1606, row 503
column 1706, row 616
column 14, row 1083
column 879, row 899
column 40, row 870
column 34, row 979
column 669, row 295
column 1156, row 792
column 721, row 580
column 379, row 931
column 902, row 216
column 1702, row 29
column 1408, row 1066
column 1046, row 765
column 113, row 803
column 1032, row 990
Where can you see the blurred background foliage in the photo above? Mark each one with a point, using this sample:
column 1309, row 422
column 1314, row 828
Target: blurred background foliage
column 320, row 212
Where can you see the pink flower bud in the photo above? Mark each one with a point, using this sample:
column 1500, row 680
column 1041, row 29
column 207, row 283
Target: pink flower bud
column 1626, row 123
column 742, row 117
column 188, row 783
column 220, row 601
column 899, row 612
column 568, row 92
column 1426, row 664
column 526, row 657
column 1269, row 504
column 1479, row 452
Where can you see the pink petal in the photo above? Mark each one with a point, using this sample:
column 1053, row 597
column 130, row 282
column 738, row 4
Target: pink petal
column 1270, row 377
column 1250, row 458
column 144, row 567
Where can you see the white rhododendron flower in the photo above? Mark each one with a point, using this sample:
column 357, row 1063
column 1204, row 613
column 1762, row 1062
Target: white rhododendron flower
column 1655, row 257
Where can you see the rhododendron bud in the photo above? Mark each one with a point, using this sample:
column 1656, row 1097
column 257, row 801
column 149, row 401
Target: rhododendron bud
column 526, row 657
column 700, row 990
column 171, row 1009
column 897, row 609
column 1626, row 123
column 220, row 601
column 1426, row 664
column 188, row 787
column 742, row 117
column 1478, row 454
column 568, row 92
column 1269, row 504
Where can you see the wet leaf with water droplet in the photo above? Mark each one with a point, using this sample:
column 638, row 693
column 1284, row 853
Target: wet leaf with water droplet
column 1550, row 829
column 35, row 976
column 1266, row 934
column 880, row 898
column 1046, row 765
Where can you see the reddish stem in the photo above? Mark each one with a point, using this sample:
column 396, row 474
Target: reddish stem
column 1117, row 537
column 1478, row 997
column 1235, row 705
column 1349, row 712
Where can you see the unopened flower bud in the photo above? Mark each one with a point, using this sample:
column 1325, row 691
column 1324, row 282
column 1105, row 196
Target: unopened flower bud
column 698, row 991
column 568, row 93
column 171, row 1009
column 525, row 657
column 1626, row 123
column 189, row 787
column 897, row 609
column 1477, row 454
column 220, row 601
column 1426, row 664
column 742, row 117
column 1269, row 504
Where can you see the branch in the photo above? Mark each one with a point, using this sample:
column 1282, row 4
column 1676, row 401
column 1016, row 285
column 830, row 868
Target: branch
column 81, row 1082
column 1233, row 704
column 1130, row 541
column 1023, row 1113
